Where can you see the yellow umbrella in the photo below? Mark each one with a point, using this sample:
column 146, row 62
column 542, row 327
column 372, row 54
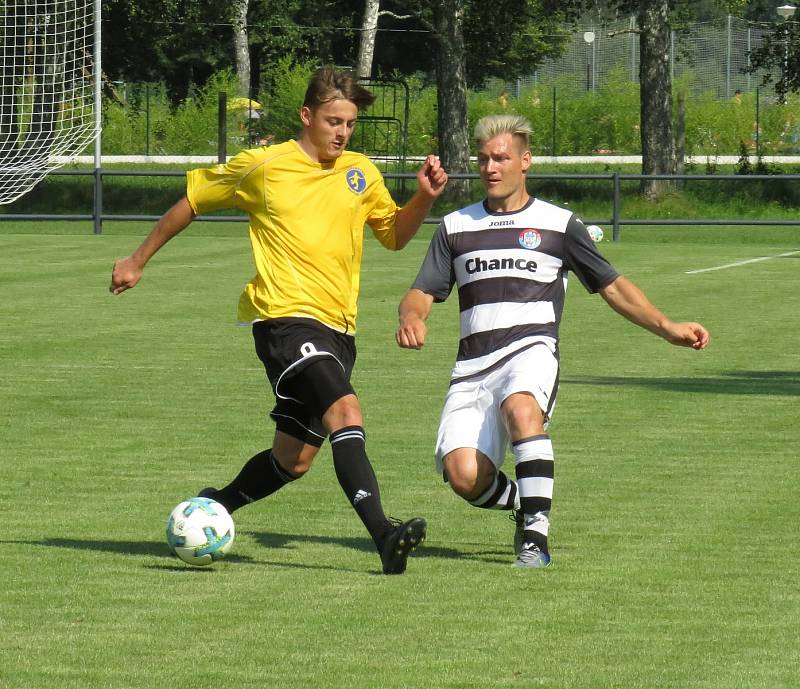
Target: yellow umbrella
column 242, row 103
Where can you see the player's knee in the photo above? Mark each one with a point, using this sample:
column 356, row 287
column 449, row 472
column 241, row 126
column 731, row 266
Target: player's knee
column 523, row 415
column 346, row 411
column 294, row 456
column 300, row 470
column 464, row 479
column 464, row 488
column 295, row 465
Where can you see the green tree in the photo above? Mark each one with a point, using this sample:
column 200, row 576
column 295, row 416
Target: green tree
column 473, row 40
column 241, row 44
column 452, row 123
column 778, row 58
column 655, row 20
column 183, row 42
column 166, row 41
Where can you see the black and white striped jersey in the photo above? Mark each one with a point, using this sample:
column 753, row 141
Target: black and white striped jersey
column 511, row 272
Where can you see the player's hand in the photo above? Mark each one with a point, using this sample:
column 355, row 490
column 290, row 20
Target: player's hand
column 124, row 275
column 411, row 333
column 432, row 177
column 691, row 335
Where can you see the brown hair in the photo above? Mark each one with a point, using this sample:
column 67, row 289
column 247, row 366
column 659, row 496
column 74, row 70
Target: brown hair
column 328, row 83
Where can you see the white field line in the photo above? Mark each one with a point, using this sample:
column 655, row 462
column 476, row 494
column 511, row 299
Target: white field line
column 741, row 263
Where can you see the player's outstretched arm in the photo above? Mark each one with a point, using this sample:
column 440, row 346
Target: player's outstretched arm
column 413, row 312
column 431, row 179
column 128, row 271
column 627, row 299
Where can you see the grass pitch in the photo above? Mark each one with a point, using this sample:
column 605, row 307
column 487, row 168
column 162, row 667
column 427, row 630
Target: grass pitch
column 674, row 523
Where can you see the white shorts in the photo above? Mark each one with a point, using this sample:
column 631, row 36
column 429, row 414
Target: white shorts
column 471, row 416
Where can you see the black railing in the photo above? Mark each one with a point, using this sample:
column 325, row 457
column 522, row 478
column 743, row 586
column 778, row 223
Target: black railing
column 615, row 179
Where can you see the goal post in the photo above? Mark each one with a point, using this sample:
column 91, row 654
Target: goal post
column 49, row 88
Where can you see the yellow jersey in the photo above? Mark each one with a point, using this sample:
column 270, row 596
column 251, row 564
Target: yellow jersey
column 306, row 228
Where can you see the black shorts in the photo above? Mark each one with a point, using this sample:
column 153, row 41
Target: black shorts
column 309, row 367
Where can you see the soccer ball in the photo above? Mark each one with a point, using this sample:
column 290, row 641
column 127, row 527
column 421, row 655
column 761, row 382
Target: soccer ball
column 200, row 531
column 595, row 232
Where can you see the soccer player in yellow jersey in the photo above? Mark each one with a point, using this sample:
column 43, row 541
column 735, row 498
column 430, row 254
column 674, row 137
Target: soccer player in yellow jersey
column 308, row 201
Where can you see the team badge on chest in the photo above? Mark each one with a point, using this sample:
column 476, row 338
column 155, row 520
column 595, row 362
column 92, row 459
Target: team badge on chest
column 529, row 239
column 356, row 180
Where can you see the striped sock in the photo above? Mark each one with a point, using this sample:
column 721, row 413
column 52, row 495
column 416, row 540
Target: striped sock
column 534, row 469
column 501, row 495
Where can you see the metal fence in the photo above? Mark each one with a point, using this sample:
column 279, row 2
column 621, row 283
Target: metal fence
column 615, row 179
column 716, row 54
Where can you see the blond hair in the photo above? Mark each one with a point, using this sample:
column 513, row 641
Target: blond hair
column 494, row 125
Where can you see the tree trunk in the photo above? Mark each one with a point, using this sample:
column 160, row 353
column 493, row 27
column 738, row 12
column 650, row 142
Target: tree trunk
column 369, row 30
column 451, row 94
column 655, row 86
column 241, row 46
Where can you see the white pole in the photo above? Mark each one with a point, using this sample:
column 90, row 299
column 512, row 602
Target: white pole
column 728, row 62
column 671, row 54
column 98, row 118
column 748, row 57
column 632, row 26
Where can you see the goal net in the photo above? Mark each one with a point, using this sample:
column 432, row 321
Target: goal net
column 47, row 89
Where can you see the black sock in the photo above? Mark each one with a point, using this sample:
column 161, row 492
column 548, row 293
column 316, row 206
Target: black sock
column 261, row 476
column 358, row 481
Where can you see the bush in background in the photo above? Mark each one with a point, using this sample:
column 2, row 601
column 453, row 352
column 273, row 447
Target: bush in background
column 283, row 87
column 146, row 124
column 598, row 121
column 140, row 120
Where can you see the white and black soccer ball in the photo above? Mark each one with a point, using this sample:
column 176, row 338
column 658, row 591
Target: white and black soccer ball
column 200, row 531
column 595, row 232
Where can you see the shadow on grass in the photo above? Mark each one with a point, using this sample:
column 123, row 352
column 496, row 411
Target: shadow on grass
column 282, row 540
column 147, row 548
column 269, row 540
column 785, row 383
column 151, row 548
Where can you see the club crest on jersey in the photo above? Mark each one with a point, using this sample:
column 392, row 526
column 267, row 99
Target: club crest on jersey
column 529, row 239
column 356, row 180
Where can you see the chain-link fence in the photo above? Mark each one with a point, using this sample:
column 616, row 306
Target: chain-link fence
column 715, row 53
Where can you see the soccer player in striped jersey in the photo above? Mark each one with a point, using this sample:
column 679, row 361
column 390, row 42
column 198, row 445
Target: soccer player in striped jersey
column 509, row 257
column 308, row 201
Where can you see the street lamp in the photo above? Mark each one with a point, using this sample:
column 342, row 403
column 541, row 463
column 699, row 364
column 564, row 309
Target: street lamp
column 588, row 38
column 786, row 12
